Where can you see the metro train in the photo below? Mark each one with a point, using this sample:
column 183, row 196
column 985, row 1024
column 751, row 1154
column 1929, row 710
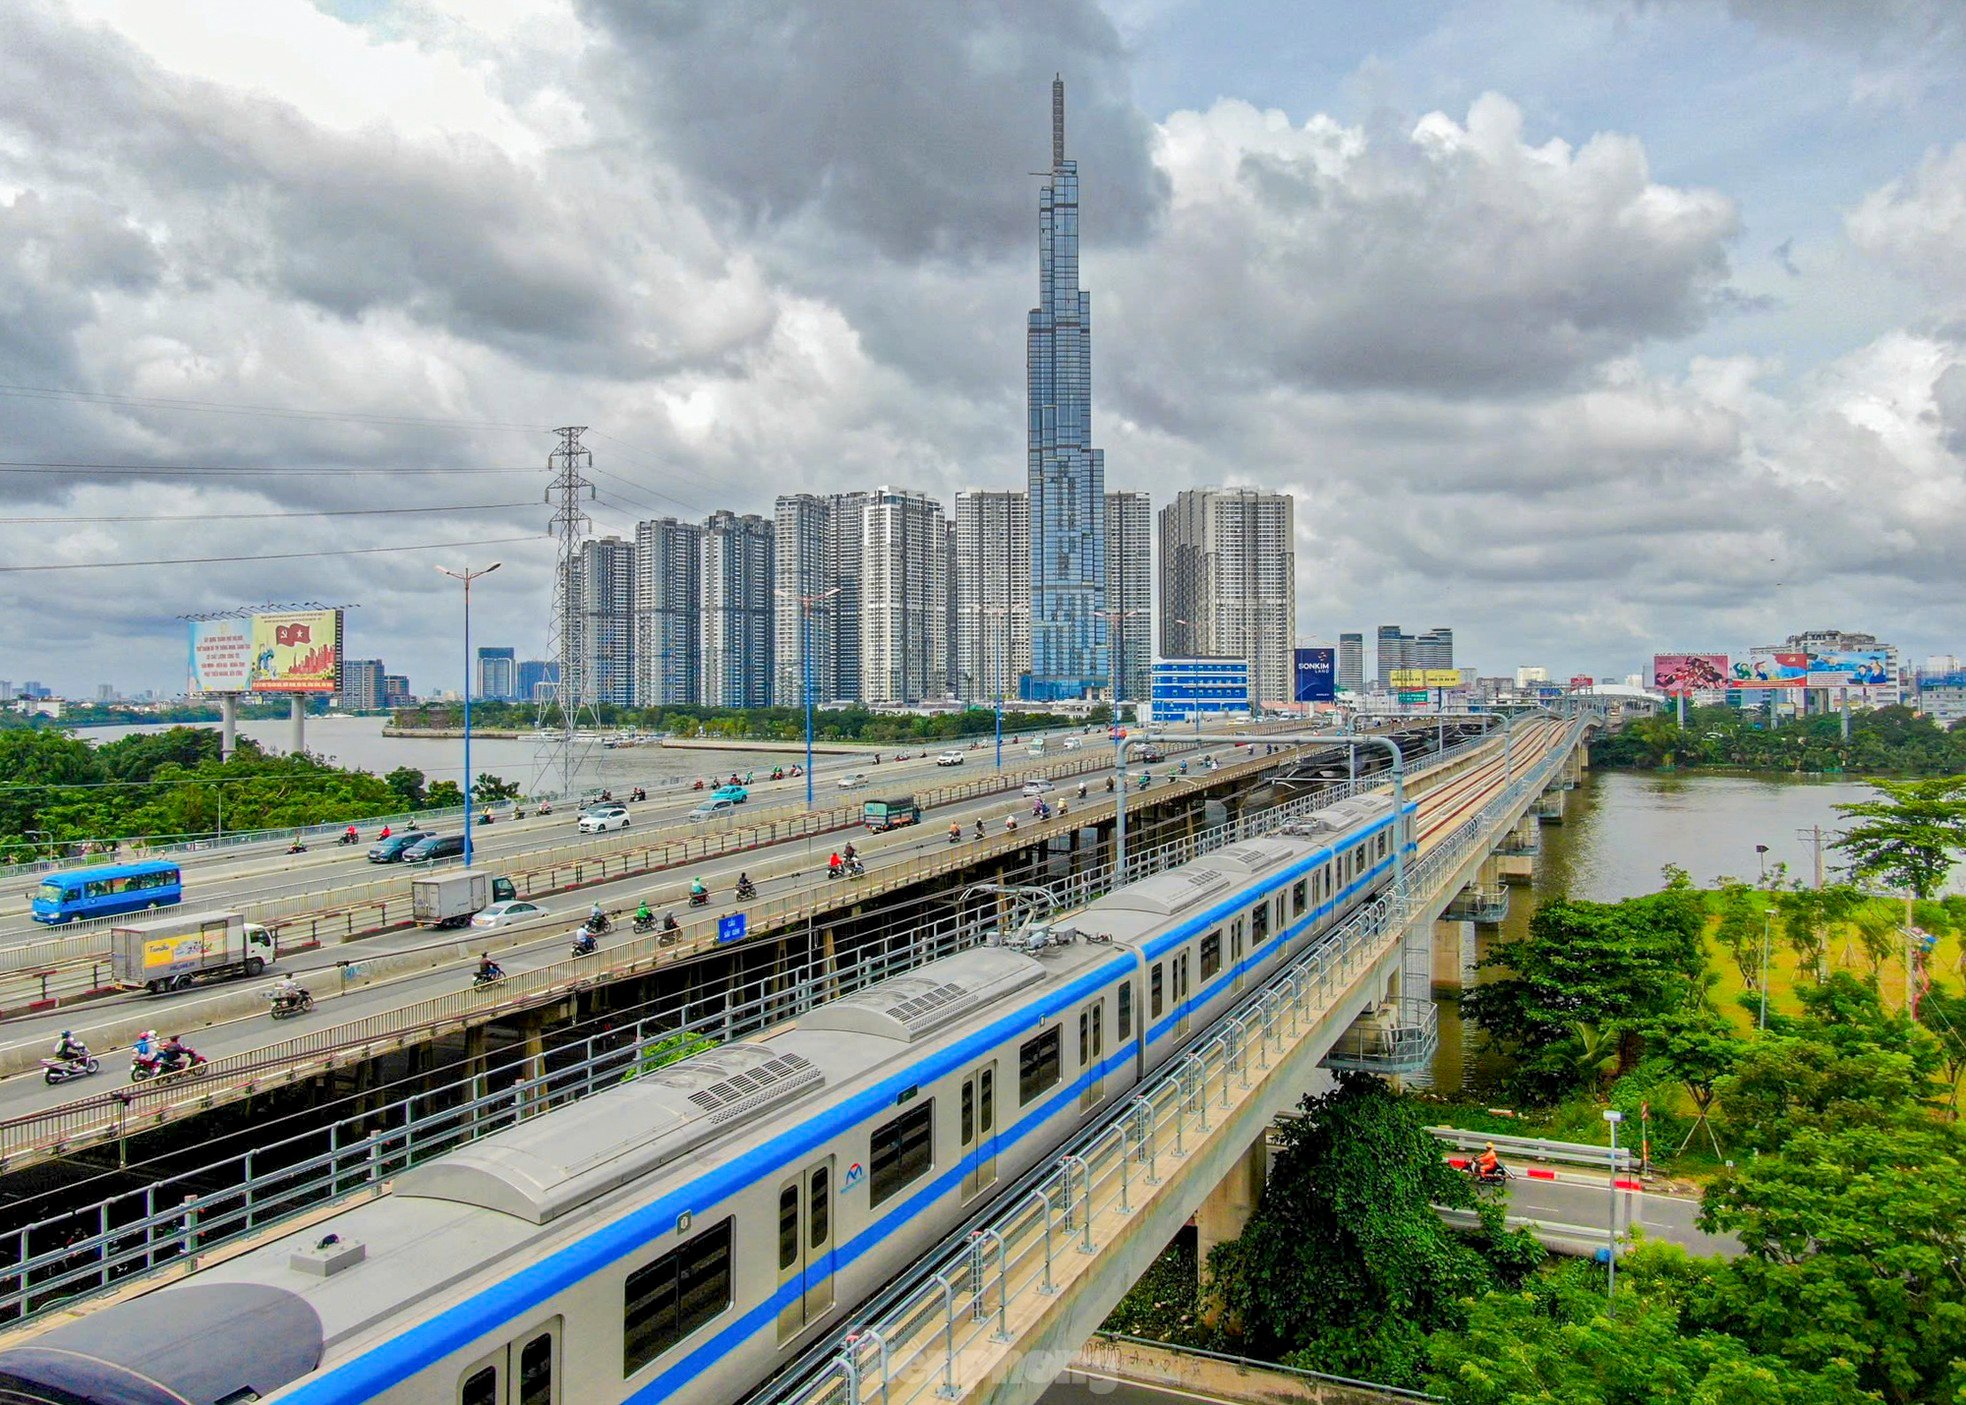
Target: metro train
column 685, row 1235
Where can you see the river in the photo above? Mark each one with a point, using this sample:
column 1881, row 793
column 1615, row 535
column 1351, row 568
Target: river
column 358, row 742
column 1620, row 829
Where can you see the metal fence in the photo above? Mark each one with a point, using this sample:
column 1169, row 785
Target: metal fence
column 173, row 1220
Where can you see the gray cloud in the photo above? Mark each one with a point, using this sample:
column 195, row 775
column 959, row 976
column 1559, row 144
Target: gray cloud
column 911, row 126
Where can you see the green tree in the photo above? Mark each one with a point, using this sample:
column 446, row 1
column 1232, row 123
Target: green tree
column 406, row 786
column 1910, row 838
column 1346, row 1265
column 1699, row 1048
column 445, row 795
column 1943, row 1013
column 490, row 789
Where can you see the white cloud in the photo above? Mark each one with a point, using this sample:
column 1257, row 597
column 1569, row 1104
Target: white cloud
column 1917, row 226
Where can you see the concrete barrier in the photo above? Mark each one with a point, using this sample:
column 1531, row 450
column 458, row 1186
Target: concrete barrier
column 1212, row 1376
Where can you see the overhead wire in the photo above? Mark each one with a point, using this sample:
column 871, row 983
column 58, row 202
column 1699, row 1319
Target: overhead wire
column 261, row 516
column 222, row 407
column 265, row 556
column 225, row 470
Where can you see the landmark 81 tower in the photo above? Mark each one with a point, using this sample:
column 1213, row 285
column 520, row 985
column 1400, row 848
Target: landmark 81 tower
column 1067, row 475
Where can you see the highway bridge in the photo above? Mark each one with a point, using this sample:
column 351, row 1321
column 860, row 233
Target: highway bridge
column 406, row 1061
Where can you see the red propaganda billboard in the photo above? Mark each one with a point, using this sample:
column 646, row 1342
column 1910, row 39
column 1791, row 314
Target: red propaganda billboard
column 1767, row 668
column 1581, row 683
column 1676, row 674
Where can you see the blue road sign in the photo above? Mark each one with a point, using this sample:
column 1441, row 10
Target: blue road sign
column 731, row 928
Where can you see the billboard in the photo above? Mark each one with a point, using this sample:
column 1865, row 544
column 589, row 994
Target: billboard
column 1767, row 669
column 1850, row 668
column 1425, row 678
column 1317, row 676
column 1675, row 674
column 221, row 657
column 297, row 651
column 1581, row 683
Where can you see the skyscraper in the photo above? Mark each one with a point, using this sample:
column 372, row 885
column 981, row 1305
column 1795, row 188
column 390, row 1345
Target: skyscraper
column 904, row 640
column 361, row 685
column 539, row 679
column 668, row 612
column 1395, row 652
column 1351, row 663
column 737, row 596
column 1129, row 592
column 816, row 559
column 1067, row 476
column 498, row 673
column 1434, row 648
column 603, row 599
column 993, row 594
column 1229, row 582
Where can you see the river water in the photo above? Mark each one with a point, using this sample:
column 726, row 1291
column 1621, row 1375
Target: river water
column 358, row 742
column 1619, row 830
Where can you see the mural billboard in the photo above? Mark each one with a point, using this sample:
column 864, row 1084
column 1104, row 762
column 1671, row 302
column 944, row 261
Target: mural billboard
column 297, row 651
column 1769, row 669
column 1850, row 668
column 1317, row 675
column 221, row 657
column 1676, row 674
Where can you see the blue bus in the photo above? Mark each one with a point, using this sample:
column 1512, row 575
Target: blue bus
column 104, row 892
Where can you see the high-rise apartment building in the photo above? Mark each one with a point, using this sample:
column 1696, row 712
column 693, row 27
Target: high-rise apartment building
column 736, row 575
column 951, row 681
column 1395, row 652
column 395, row 690
column 361, row 686
column 817, row 570
column 1129, row 592
column 1433, row 648
column 603, row 599
column 1229, row 582
column 1351, row 663
column 498, row 674
column 1066, row 475
column 993, row 594
column 904, row 621
column 668, row 613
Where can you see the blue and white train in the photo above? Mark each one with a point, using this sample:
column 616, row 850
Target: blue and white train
column 684, row 1236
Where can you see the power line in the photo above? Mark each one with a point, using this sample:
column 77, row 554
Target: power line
column 220, row 407
column 225, row 470
column 265, row 556
column 258, row 516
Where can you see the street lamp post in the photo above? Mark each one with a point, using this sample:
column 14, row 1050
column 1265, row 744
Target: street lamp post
column 468, row 575
column 1612, row 1118
column 806, row 602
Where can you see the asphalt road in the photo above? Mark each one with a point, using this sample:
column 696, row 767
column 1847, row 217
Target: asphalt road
column 1077, row 1388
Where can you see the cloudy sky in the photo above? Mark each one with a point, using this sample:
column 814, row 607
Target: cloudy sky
column 1587, row 327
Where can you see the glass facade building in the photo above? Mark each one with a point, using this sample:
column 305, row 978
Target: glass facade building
column 1067, row 476
column 1185, row 688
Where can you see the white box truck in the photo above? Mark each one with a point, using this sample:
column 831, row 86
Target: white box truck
column 451, row 899
column 169, row 953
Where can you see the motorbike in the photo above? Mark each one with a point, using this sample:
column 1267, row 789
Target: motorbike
column 584, row 943
column 1498, row 1176
column 851, row 868
column 746, row 890
column 484, row 817
column 598, row 925
column 545, row 808
column 481, row 979
column 165, row 1065
column 298, row 1002
column 699, row 900
column 61, row 1070
column 644, row 924
column 296, row 847
column 955, row 834
column 347, row 838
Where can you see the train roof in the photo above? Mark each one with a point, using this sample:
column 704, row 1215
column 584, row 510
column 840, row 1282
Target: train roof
column 906, row 1007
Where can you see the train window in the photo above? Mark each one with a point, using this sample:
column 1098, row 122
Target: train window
column 1126, row 1010
column 1259, row 924
column 536, row 1371
column 986, row 1098
column 1085, row 1037
column 1092, row 1033
column 1211, row 954
column 1037, row 1066
column 1181, row 977
column 822, row 1209
column 1299, row 899
column 479, row 1388
column 968, row 1113
column 788, row 1226
column 1358, row 859
column 667, row 1299
column 1154, row 993
column 900, row 1152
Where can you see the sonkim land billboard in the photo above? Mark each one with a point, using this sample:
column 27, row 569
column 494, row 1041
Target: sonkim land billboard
column 286, row 651
column 1674, row 674
column 1317, row 675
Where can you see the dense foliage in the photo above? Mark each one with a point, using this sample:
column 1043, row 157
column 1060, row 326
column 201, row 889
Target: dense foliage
column 58, row 789
column 1891, row 740
column 785, row 724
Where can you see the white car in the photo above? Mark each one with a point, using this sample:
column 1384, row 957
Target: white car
column 1071, row 743
column 852, row 780
column 1038, row 787
column 949, row 758
column 603, row 818
column 506, row 913
column 713, row 808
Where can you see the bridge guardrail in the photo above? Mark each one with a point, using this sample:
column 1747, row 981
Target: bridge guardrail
column 1536, row 1148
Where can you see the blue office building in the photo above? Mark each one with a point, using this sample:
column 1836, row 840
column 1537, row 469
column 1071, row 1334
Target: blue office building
column 1185, row 688
column 1067, row 476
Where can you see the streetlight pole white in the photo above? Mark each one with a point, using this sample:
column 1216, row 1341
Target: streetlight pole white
column 1612, row 1117
column 468, row 575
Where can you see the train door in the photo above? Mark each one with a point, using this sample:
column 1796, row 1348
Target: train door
column 525, row 1371
column 805, row 1248
column 979, row 1129
column 1092, row 1052
column 1180, row 973
column 1235, row 955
